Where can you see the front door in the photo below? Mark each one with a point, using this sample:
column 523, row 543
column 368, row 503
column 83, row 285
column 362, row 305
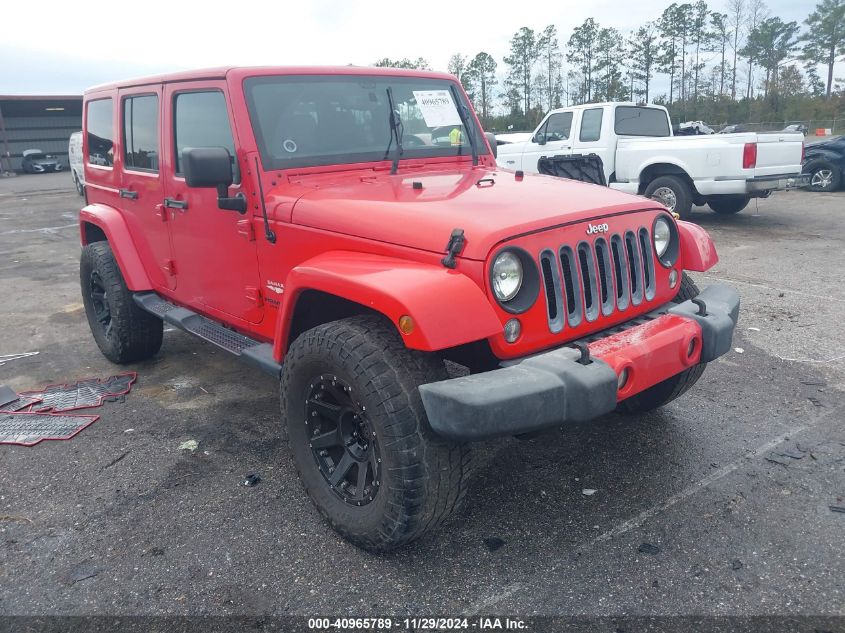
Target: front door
column 141, row 184
column 214, row 250
column 551, row 139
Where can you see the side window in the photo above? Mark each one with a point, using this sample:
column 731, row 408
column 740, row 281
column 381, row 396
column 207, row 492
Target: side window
column 591, row 125
column 559, row 126
column 540, row 135
column 140, row 132
column 200, row 119
column 98, row 125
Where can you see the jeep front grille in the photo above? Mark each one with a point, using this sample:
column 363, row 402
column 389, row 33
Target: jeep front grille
column 597, row 278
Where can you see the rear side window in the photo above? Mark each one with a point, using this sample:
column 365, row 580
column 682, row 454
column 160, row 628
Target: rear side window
column 140, row 132
column 98, row 125
column 591, row 125
column 202, row 120
column 635, row 121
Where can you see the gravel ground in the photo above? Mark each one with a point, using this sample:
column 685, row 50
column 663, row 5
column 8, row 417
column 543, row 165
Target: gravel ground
column 717, row 505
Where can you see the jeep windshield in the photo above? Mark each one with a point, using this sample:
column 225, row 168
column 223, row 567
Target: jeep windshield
column 305, row 120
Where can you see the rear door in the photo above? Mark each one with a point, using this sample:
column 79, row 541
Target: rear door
column 593, row 137
column 141, row 185
column 214, row 250
column 552, row 138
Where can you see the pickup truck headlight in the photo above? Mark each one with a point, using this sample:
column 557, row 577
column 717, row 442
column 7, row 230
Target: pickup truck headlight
column 666, row 240
column 507, row 276
column 515, row 280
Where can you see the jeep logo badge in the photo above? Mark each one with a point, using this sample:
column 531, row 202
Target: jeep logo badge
column 592, row 229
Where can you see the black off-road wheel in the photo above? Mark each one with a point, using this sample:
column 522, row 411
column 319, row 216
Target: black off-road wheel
column 728, row 205
column 674, row 387
column 359, row 435
column 673, row 192
column 124, row 332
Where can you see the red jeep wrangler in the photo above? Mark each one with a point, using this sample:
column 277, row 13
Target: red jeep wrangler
column 347, row 230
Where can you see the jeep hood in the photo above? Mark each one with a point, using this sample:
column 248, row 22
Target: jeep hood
column 489, row 205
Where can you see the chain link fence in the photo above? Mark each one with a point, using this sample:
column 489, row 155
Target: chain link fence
column 811, row 127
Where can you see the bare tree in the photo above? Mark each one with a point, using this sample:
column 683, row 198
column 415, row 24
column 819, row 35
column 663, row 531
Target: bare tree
column 700, row 37
column 757, row 12
column 549, row 50
column 457, row 65
column 736, row 17
column 721, row 35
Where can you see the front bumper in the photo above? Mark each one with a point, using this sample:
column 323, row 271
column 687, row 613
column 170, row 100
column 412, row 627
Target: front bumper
column 557, row 387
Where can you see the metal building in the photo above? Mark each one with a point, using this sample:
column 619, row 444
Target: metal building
column 37, row 122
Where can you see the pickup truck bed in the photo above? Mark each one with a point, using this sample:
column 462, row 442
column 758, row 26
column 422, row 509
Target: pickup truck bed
column 713, row 162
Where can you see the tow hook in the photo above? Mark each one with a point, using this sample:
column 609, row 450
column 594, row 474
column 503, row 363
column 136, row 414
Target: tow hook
column 702, row 307
column 585, row 353
column 453, row 248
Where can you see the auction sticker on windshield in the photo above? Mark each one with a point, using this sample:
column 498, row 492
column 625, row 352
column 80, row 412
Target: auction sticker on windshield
column 437, row 107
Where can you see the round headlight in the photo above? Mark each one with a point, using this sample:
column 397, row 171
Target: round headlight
column 662, row 236
column 506, row 276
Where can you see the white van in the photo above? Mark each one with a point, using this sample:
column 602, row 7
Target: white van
column 74, row 153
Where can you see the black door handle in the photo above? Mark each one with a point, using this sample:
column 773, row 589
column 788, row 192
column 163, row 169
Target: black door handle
column 172, row 203
column 125, row 193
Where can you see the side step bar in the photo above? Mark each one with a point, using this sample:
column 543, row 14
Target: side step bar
column 254, row 352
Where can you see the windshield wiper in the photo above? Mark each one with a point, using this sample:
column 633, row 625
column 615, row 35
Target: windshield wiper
column 465, row 119
column 397, row 129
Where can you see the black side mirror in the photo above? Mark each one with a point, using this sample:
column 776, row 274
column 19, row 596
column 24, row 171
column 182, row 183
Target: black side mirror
column 539, row 138
column 491, row 139
column 211, row 167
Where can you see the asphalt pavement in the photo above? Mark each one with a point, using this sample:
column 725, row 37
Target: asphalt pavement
column 719, row 504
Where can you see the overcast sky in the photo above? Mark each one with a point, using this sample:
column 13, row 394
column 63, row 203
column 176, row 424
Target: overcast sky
column 65, row 47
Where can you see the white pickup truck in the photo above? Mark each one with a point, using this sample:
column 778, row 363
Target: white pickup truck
column 639, row 155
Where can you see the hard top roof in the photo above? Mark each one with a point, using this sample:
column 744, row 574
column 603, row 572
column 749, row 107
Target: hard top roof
column 248, row 71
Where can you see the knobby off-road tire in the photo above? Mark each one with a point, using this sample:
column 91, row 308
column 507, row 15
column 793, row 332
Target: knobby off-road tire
column 673, row 192
column 357, row 374
column 674, row 387
column 728, row 205
column 123, row 331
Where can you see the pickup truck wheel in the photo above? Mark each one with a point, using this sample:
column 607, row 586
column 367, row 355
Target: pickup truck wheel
column 823, row 176
column 124, row 332
column 359, row 435
column 728, row 205
column 674, row 387
column 673, row 193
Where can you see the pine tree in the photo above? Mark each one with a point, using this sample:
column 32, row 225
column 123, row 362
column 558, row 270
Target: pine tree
column 644, row 52
column 523, row 53
column 582, row 47
column 481, row 73
column 825, row 38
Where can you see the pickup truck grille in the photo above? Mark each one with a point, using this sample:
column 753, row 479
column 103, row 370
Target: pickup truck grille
column 598, row 278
